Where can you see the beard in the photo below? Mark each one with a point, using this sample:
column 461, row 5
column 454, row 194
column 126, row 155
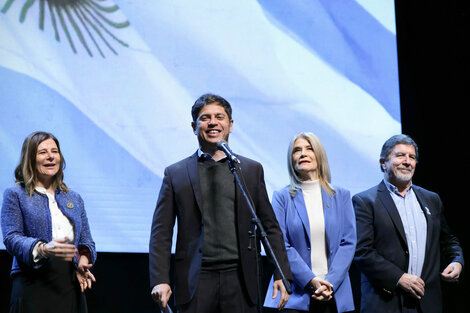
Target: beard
column 402, row 177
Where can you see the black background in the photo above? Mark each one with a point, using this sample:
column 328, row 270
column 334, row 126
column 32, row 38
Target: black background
column 433, row 63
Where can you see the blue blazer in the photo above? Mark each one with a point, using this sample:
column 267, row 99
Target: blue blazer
column 27, row 220
column 340, row 229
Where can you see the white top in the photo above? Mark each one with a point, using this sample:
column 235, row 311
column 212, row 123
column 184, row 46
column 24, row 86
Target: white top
column 61, row 225
column 314, row 204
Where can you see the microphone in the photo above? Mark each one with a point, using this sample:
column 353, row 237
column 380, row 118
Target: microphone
column 223, row 145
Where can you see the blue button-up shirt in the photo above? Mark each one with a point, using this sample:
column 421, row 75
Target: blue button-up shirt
column 206, row 156
column 415, row 225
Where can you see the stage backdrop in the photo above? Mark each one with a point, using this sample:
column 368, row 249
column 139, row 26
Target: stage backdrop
column 115, row 81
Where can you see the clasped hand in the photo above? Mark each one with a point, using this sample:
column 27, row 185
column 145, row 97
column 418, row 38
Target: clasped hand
column 323, row 289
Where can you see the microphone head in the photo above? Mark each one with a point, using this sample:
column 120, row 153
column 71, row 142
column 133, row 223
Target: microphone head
column 220, row 144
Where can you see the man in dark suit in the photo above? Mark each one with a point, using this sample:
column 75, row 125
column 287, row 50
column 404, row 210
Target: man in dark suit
column 215, row 257
column 402, row 235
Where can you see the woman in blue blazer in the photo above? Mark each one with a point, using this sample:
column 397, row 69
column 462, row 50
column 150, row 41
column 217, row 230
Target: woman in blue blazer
column 45, row 228
column 319, row 230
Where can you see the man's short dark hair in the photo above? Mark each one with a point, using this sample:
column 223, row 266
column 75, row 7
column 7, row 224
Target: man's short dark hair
column 209, row 98
column 392, row 142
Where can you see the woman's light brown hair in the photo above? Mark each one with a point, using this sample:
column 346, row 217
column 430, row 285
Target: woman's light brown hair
column 26, row 172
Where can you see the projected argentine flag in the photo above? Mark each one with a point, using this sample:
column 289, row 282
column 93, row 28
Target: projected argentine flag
column 115, row 82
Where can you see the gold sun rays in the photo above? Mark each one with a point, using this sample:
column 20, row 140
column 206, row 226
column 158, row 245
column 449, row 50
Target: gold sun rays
column 85, row 22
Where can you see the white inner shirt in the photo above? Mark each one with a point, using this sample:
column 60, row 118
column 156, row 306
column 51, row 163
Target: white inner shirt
column 61, row 225
column 314, row 204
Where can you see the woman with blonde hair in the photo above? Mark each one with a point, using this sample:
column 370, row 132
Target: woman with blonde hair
column 319, row 230
column 45, row 228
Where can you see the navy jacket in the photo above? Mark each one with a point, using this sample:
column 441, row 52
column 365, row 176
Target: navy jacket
column 180, row 199
column 382, row 252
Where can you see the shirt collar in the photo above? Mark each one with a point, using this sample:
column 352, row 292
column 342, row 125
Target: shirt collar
column 42, row 190
column 202, row 156
column 394, row 189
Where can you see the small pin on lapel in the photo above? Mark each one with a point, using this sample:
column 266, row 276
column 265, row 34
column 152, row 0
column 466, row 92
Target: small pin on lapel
column 70, row 205
column 427, row 210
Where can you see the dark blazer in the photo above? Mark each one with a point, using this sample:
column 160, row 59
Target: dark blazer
column 180, row 199
column 382, row 252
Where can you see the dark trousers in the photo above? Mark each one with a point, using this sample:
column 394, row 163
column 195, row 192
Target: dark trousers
column 411, row 305
column 52, row 288
column 219, row 292
column 317, row 307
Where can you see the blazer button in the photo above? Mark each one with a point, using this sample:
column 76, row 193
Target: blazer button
column 308, row 249
column 406, row 252
column 387, row 291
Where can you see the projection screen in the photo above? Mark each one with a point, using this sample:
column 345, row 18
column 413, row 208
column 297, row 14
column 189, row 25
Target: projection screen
column 114, row 81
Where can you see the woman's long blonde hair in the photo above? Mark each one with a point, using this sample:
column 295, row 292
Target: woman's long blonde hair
column 323, row 168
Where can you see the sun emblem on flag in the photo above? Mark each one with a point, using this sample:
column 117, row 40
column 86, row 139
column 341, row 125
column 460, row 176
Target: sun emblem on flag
column 87, row 22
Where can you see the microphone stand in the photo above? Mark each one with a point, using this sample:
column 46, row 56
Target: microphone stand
column 256, row 222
